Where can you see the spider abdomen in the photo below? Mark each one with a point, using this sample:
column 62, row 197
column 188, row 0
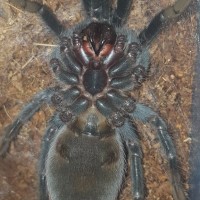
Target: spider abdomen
column 83, row 166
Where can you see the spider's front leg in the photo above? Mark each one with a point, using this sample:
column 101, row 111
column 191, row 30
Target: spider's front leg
column 121, row 12
column 11, row 131
column 45, row 12
column 147, row 115
column 98, row 9
column 161, row 18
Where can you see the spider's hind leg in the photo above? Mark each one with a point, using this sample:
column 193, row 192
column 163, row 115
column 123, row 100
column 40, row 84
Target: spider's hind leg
column 161, row 18
column 54, row 125
column 147, row 115
column 129, row 135
column 45, row 12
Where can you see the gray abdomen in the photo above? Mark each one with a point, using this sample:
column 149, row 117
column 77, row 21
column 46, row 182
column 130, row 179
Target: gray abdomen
column 84, row 167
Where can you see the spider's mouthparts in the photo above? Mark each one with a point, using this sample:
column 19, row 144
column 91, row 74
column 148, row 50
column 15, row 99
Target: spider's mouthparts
column 98, row 47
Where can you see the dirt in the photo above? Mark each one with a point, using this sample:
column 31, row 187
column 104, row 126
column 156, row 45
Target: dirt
column 26, row 44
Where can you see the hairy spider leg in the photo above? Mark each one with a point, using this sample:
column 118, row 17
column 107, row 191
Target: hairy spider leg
column 44, row 11
column 121, row 106
column 125, row 65
column 111, row 112
column 12, row 131
column 100, row 10
column 129, row 134
column 121, row 12
column 54, row 125
column 129, row 82
column 147, row 115
column 73, row 106
column 63, row 75
column 63, row 63
column 132, row 68
column 68, row 58
column 115, row 108
column 161, row 19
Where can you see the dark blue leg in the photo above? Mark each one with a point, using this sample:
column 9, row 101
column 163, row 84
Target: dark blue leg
column 54, row 125
column 125, row 83
column 115, row 107
column 147, row 115
column 45, row 12
column 81, row 104
column 160, row 20
column 11, row 131
column 110, row 111
column 122, row 11
column 98, row 9
column 129, row 135
column 125, row 65
column 68, row 58
column 131, row 69
column 61, row 72
column 130, row 82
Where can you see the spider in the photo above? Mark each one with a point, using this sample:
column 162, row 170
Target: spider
column 97, row 64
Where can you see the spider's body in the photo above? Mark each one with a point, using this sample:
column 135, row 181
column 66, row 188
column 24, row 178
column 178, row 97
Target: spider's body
column 100, row 55
column 97, row 64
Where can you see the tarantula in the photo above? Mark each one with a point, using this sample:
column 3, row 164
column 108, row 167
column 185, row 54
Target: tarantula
column 97, row 64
